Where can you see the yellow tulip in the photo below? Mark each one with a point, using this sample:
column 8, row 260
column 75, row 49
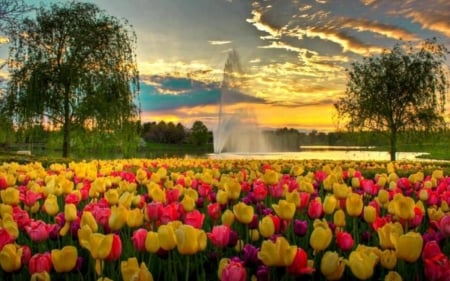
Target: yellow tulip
column 87, row 218
column 354, row 204
column 393, row 276
column 157, row 194
column 127, row 197
column 339, row 218
column 100, row 245
column 403, row 206
column 51, row 205
column 243, row 212
column 383, row 196
column 355, row 182
column 188, row 203
column 332, row 266
column 64, row 260
column 293, row 197
column 10, row 196
column 370, row 214
column 388, row 259
column 228, row 217
column 131, row 271
column 341, row 190
column 270, row 177
column 278, row 253
column 152, row 242
column 41, row 276
column 362, row 263
column 284, row 209
column 166, row 237
column 10, row 258
column 233, row 189
column 10, row 225
column 118, row 217
column 409, row 246
column 112, row 196
column 266, row 226
column 222, row 197
column 329, row 204
column 190, row 240
column 388, row 233
column 222, row 264
column 135, row 218
column 84, row 235
column 321, row 235
column 70, row 212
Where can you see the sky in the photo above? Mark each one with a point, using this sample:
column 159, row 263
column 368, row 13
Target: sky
column 293, row 53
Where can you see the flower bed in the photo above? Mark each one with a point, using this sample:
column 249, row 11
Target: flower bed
column 198, row 219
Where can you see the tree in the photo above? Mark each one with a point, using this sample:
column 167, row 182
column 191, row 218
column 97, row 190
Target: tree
column 199, row 133
column 73, row 65
column 401, row 89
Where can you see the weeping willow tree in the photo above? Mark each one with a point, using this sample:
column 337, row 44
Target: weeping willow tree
column 73, row 66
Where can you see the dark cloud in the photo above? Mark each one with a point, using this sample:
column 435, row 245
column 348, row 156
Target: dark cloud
column 165, row 93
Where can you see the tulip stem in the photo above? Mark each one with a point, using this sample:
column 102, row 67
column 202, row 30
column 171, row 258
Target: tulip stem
column 187, row 268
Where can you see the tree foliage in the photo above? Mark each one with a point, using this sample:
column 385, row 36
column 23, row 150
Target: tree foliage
column 74, row 66
column 199, row 134
column 401, row 89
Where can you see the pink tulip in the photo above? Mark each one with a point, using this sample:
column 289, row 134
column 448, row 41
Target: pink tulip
column 154, row 210
column 234, row 271
column 116, row 249
column 214, row 211
column 444, row 225
column 38, row 231
column 220, row 235
column 138, row 239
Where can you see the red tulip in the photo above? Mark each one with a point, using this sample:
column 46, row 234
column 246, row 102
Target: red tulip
column 344, row 240
column 315, row 209
column 138, row 239
column 214, row 211
column 170, row 213
column 300, row 264
column 40, row 262
column 26, row 255
column 5, row 238
column 172, row 195
column 260, row 191
column 194, row 218
column 220, row 235
column 116, row 249
column 21, row 217
column 154, row 210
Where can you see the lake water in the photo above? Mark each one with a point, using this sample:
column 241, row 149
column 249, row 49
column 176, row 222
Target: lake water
column 356, row 155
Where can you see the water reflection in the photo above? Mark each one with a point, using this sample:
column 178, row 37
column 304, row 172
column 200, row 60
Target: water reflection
column 356, row 155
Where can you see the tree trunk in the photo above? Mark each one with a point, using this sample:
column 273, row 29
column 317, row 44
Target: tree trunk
column 393, row 144
column 66, row 125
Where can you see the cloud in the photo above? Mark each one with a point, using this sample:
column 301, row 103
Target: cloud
column 212, row 42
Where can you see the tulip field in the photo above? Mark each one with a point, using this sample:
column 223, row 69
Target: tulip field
column 205, row 219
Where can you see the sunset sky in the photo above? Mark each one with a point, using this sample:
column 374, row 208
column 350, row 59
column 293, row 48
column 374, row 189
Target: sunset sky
column 294, row 53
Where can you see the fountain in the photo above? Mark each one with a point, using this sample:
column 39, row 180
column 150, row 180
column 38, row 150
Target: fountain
column 237, row 128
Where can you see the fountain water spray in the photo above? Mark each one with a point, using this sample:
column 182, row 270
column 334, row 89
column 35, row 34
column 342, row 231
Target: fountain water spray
column 237, row 127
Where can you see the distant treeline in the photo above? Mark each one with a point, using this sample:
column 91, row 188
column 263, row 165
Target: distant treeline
column 283, row 139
